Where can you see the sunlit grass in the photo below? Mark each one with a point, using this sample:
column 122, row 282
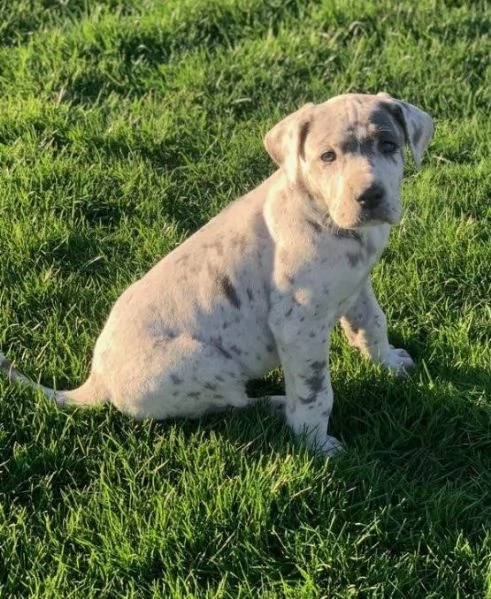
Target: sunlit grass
column 125, row 125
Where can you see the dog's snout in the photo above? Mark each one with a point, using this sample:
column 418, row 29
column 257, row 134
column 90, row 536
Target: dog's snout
column 372, row 196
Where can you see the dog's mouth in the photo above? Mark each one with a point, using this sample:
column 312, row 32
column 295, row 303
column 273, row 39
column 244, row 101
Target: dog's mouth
column 383, row 214
column 379, row 216
column 368, row 219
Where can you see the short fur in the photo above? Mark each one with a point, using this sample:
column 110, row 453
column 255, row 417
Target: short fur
column 265, row 281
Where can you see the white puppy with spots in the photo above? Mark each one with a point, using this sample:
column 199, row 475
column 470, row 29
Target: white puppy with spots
column 264, row 282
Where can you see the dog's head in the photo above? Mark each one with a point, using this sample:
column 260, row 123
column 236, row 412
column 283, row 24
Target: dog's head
column 348, row 153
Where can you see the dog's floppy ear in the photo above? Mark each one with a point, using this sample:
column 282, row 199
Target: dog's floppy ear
column 417, row 125
column 285, row 141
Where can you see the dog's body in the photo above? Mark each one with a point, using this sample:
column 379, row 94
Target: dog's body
column 264, row 282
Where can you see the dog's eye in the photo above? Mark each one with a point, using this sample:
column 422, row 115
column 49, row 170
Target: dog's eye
column 328, row 156
column 388, row 147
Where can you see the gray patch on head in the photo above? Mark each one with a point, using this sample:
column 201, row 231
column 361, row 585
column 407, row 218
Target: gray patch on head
column 355, row 146
column 381, row 118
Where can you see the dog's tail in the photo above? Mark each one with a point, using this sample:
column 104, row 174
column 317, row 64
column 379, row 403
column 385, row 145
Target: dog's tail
column 88, row 394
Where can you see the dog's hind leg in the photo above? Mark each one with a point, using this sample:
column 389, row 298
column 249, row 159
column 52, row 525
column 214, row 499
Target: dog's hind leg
column 172, row 378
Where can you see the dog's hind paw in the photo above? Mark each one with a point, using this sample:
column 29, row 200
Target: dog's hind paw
column 398, row 361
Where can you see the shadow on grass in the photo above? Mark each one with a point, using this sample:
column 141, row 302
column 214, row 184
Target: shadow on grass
column 412, row 481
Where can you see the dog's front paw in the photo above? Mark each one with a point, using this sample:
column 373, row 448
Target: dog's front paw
column 331, row 447
column 398, row 361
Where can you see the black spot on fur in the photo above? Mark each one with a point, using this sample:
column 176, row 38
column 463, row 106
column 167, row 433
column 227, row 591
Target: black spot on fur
column 224, row 352
column 250, row 295
column 183, row 259
column 315, row 381
column 304, row 130
column 348, row 234
column 210, row 386
column 230, row 292
column 354, row 258
column 317, row 228
column 175, row 379
column 318, row 365
column 309, row 399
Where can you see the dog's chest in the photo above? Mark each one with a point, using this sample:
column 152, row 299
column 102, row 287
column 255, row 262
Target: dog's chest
column 344, row 263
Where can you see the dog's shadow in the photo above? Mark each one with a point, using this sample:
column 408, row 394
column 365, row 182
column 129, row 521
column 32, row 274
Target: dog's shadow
column 416, row 462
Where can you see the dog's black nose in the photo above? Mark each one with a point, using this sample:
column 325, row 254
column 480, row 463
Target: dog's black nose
column 372, row 196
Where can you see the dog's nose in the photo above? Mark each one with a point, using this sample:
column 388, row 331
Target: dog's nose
column 372, row 196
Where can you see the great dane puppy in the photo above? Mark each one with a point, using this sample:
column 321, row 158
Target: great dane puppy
column 264, row 282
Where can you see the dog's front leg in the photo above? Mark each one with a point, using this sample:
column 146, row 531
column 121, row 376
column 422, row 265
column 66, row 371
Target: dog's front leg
column 303, row 345
column 365, row 326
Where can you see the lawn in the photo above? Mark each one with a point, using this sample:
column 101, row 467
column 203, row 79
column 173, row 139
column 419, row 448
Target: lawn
column 124, row 126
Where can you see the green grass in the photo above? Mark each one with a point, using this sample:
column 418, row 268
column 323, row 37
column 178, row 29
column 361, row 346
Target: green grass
column 125, row 125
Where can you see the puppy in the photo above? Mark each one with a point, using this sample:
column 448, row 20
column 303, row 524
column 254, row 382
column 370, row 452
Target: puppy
column 265, row 281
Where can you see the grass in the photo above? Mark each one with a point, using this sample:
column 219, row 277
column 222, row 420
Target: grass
column 125, row 125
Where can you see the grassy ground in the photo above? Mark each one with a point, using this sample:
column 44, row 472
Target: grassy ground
column 126, row 124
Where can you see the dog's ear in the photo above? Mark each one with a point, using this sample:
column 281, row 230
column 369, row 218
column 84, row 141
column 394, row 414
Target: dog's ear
column 285, row 141
column 417, row 125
